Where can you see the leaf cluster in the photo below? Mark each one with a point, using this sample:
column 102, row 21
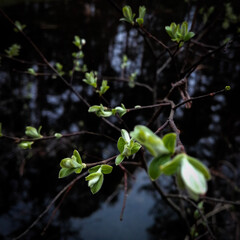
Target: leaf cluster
column 126, row 146
column 190, row 173
column 96, row 176
column 129, row 15
column 102, row 111
column 179, row 34
column 71, row 165
column 13, row 51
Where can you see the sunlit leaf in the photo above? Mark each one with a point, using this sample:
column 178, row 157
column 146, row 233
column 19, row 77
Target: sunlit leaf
column 193, row 179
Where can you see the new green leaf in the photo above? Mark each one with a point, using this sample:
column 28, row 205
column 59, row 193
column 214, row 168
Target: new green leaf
column 154, row 169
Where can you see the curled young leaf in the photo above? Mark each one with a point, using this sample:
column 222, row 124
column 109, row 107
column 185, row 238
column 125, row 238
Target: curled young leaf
column 193, row 179
column 119, row 159
column 148, row 139
column 25, row 145
column 33, row 132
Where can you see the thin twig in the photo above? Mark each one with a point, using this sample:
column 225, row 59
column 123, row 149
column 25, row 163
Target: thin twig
column 49, row 206
column 125, row 192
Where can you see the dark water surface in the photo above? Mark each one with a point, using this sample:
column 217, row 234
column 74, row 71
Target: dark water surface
column 210, row 130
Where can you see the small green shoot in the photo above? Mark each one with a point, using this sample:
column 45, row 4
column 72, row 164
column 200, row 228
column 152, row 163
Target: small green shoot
column 13, row 51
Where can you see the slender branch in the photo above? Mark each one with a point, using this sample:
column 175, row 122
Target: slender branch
column 17, row 139
column 50, row 204
column 195, row 206
column 125, row 192
column 200, row 97
column 127, row 80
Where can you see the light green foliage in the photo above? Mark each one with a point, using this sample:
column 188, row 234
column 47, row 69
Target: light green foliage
column 25, row 145
column 100, row 111
column 32, row 71
column 192, row 175
column 91, row 79
column 196, row 213
column 141, row 12
column 148, row 139
column 78, row 42
column 104, row 87
column 59, row 68
column 33, row 132
column 227, row 88
column 230, row 16
column 58, row 135
column 79, row 55
column 124, row 61
column 126, row 146
column 71, row 165
column 119, row 110
column 206, row 13
column 179, row 34
column 132, row 78
column 128, row 15
column 19, row 26
column 13, row 51
column 1, row 129
column 96, row 176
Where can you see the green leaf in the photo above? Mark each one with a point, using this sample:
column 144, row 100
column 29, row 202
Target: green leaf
column 94, row 169
column 193, row 179
column 104, row 87
column 179, row 180
column 171, row 167
column 78, row 157
column 91, row 79
column 100, row 111
column 19, row 26
column 119, row 159
column 120, row 144
column 148, row 139
column 97, row 186
column 169, row 141
column 140, row 21
column 25, row 145
column 120, row 110
column 142, row 11
column 13, row 51
column 70, row 163
column 135, row 148
column 93, row 176
column 106, row 169
column 31, row 71
column 32, row 132
column 125, row 135
column 124, row 61
column 200, row 167
column 128, row 15
column 154, row 169
column 64, row 172
column 57, row 135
